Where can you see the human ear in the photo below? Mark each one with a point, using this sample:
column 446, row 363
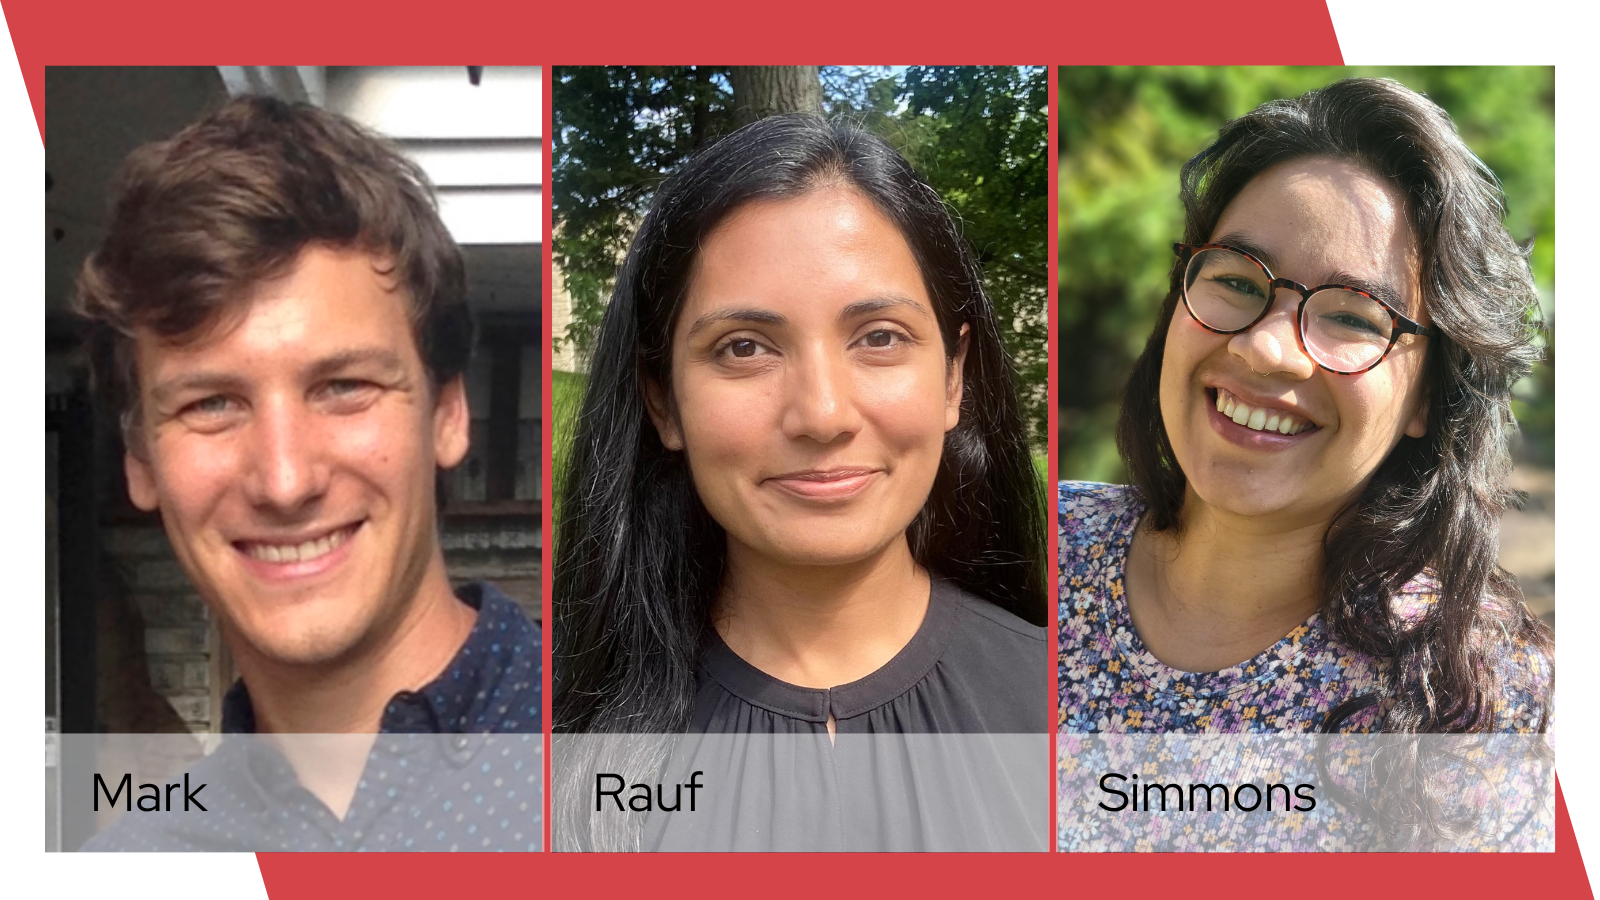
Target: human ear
column 141, row 480
column 1418, row 425
column 955, row 380
column 655, row 401
column 452, row 424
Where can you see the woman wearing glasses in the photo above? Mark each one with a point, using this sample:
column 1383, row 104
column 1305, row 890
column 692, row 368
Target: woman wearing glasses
column 1317, row 435
column 801, row 507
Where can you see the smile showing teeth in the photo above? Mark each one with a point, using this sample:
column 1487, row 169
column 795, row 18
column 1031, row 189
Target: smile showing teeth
column 1258, row 419
column 293, row 553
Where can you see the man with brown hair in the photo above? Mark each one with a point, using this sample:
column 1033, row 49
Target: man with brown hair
column 280, row 317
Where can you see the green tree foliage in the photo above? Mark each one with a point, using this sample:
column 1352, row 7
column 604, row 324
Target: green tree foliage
column 977, row 133
column 1125, row 132
column 618, row 131
column 984, row 148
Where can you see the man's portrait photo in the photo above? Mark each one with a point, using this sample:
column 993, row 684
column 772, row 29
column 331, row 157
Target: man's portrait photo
column 293, row 454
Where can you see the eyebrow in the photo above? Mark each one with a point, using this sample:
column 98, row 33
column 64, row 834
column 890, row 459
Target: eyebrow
column 745, row 314
column 218, row 382
column 197, row 383
column 385, row 360
column 1239, row 242
column 1378, row 289
column 879, row 304
column 855, row 310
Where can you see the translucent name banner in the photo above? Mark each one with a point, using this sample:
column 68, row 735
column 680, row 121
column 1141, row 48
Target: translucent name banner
column 179, row 792
column 1305, row 793
column 801, row 792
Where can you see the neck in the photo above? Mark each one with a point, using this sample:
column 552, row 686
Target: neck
column 1223, row 587
column 348, row 695
column 323, row 718
column 821, row 626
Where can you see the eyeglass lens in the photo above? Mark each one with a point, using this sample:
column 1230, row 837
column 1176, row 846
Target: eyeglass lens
column 1343, row 330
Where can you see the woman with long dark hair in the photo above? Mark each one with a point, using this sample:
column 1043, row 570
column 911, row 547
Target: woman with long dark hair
column 799, row 500
column 1317, row 434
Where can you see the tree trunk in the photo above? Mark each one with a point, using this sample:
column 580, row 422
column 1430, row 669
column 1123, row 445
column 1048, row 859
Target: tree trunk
column 761, row 91
column 699, row 117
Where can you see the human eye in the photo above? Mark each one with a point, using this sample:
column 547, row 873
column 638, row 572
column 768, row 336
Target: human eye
column 1239, row 284
column 348, row 394
column 209, row 405
column 737, row 348
column 210, row 413
column 883, row 337
column 345, row 386
column 1354, row 322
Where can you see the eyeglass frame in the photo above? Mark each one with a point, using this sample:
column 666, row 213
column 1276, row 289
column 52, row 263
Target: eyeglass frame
column 1402, row 324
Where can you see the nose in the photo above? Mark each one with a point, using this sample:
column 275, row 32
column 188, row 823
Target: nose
column 1273, row 345
column 821, row 402
column 286, row 470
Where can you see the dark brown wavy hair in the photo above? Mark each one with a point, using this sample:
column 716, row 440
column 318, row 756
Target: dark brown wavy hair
column 196, row 221
column 1435, row 503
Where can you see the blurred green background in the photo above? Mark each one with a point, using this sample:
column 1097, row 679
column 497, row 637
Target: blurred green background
column 1125, row 132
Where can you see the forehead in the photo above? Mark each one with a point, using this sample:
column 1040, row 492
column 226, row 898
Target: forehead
column 1320, row 217
column 825, row 247
column 328, row 302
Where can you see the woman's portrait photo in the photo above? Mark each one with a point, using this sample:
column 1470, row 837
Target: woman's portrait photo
column 1315, row 396
column 800, row 523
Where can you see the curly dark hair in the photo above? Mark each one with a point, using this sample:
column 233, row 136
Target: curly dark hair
column 1434, row 505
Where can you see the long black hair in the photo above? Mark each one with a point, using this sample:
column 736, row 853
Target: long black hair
column 1434, row 505
column 638, row 560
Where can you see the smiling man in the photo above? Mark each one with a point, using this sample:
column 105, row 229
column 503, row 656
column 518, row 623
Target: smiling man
column 280, row 316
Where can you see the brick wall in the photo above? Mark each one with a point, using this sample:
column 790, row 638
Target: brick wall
column 178, row 633
column 501, row 549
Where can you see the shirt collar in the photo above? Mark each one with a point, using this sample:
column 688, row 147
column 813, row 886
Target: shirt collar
column 896, row 677
column 476, row 692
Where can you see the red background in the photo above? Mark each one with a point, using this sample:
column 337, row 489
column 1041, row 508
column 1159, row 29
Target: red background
column 1142, row 32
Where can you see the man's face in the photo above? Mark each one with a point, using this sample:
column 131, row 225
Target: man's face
column 292, row 452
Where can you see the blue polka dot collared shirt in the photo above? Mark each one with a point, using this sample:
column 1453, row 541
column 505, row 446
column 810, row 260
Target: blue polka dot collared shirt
column 457, row 765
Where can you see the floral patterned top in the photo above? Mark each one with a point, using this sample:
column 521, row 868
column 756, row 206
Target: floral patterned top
column 1122, row 711
column 1109, row 682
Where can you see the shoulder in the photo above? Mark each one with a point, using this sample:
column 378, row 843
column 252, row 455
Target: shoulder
column 980, row 617
column 1092, row 518
column 498, row 609
column 1525, row 673
column 1518, row 663
column 501, row 619
column 1002, row 660
column 502, row 660
column 1088, row 506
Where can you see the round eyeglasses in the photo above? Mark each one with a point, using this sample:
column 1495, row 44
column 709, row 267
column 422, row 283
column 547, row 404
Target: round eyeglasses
column 1341, row 328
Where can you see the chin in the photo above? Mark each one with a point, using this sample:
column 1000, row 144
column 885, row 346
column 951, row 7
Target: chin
column 308, row 648
column 304, row 636
column 1247, row 496
column 807, row 550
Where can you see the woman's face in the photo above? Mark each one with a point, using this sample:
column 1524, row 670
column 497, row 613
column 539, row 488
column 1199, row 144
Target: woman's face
column 810, row 388
column 1315, row 220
